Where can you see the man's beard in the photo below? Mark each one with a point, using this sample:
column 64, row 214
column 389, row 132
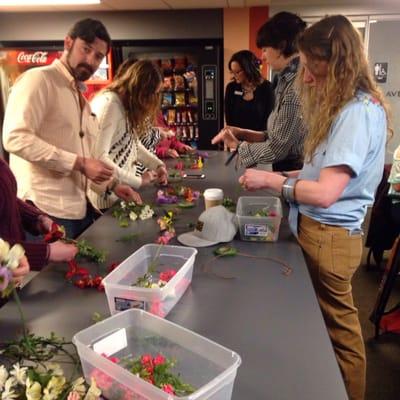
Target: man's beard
column 82, row 71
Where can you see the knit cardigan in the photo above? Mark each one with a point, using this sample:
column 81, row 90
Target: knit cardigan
column 118, row 146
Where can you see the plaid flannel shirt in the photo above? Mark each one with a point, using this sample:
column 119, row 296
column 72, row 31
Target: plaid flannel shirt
column 286, row 130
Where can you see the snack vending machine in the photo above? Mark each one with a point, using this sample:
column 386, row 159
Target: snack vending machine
column 192, row 90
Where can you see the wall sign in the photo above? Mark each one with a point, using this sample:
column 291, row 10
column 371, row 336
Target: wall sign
column 381, row 71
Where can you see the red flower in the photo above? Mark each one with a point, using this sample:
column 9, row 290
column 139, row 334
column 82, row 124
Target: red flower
column 159, row 359
column 112, row 266
column 146, row 359
column 55, row 233
column 168, row 388
column 167, row 275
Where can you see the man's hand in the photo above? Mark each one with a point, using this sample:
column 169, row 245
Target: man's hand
column 62, row 252
column 226, row 136
column 126, row 193
column 96, row 170
column 162, row 175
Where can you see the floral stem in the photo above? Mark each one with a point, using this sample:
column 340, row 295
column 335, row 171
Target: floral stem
column 21, row 313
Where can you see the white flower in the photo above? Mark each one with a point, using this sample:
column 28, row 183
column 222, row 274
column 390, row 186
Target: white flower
column 133, row 216
column 8, row 392
column 33, row 390
column 78, row 385
column 19, row 373
column 14, row 256
column 4, row 249
column 123, row 205
column 93, row 392
column 3, row 375
column 55, row 369
column 54, row 388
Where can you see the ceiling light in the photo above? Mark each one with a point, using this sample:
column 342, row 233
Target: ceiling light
column 19, row 3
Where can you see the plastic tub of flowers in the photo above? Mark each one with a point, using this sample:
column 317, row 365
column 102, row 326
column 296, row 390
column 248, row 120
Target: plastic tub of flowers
column 153, row 279
column 259, row 218
column 136, row 355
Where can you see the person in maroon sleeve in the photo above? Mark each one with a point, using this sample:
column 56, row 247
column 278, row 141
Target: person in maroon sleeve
column 17, row 216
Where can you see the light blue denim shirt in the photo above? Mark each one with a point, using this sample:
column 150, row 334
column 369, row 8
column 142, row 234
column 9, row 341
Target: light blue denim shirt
column 356, row 139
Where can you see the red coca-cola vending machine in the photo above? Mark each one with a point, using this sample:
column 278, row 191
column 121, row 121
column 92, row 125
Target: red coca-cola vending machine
column 16, row 60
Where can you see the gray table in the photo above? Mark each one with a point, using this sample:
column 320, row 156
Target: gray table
column 273, row 321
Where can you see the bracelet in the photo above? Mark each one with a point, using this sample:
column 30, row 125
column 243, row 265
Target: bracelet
column 112, row 186
column 288, row 188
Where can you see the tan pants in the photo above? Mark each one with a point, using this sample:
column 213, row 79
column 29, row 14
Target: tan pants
column 332, row 257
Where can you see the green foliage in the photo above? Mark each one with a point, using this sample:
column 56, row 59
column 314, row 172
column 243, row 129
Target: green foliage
column 225, row 251
column 86, row 250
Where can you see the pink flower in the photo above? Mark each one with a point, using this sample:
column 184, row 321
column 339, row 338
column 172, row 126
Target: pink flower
column 168, row 388
column 159, row 359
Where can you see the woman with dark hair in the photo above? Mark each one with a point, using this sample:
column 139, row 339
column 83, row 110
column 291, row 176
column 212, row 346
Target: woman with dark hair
column 281, row 142
column 347, row 118
column 249, row 98
column 125, row 111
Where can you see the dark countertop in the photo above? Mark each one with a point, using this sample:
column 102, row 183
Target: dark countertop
column 271, row 320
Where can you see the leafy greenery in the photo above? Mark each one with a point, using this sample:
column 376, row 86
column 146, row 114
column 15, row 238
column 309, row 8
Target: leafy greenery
column 86, row 250
column 225, row 251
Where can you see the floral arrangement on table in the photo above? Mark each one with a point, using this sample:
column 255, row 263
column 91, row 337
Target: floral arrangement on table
column 125, row 212
column 189, row 163
column 153, row 369
column 33, row 374
column 173, row 194
column 167, row 230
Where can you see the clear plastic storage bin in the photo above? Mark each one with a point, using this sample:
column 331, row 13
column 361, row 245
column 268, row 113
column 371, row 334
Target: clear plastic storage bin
column 259, row 218
column 207, row 366
column 121, row 295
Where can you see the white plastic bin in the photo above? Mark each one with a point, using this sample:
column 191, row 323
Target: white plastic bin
column 121, row 295
column 207, row 366
column 259, row 228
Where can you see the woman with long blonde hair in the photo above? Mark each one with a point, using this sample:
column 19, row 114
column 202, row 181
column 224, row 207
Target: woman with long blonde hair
column 347, row 119
column 126, row 110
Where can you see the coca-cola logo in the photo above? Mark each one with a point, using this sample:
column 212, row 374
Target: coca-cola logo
column 38, row 57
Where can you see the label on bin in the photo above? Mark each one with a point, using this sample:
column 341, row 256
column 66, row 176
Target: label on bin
column 259, row 230
column 125, row 304
column 112, row 344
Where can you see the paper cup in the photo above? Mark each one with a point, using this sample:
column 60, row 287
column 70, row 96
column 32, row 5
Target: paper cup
column 213, row 197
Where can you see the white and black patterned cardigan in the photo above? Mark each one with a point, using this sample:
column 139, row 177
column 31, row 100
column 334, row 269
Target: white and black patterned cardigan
column 118, row 146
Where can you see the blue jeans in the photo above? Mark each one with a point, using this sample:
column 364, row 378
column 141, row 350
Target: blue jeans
column 74, row 227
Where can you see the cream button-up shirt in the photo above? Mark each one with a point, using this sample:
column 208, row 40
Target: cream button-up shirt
column 41, row 130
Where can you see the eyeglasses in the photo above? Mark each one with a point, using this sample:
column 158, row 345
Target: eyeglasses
column 235, row 73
